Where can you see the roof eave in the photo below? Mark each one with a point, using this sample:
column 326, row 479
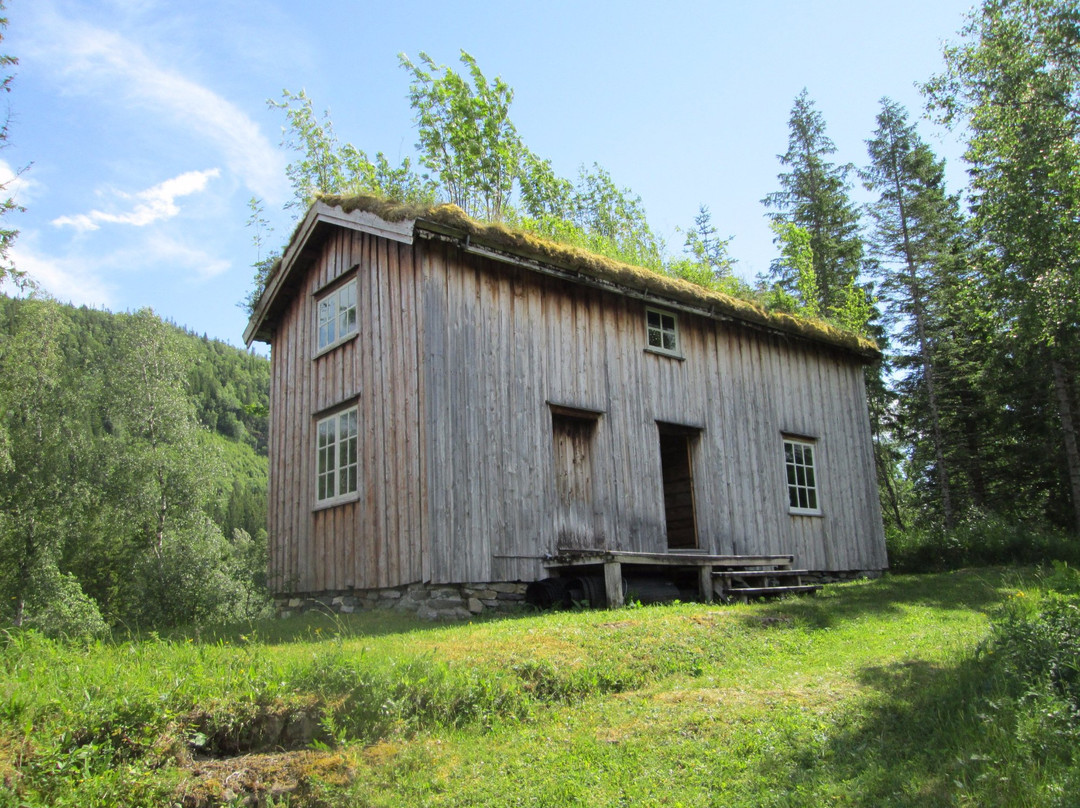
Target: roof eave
column 473, row 242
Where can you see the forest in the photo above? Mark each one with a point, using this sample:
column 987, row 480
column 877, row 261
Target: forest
column 133, row 454
column 133, row 481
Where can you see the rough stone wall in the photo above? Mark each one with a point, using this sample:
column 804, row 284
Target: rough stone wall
column 456, row 601
column 429, row 602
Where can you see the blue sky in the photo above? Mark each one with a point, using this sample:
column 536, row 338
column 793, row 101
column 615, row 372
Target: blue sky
column 146, row 129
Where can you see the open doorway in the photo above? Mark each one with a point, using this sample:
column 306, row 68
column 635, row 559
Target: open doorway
column 678, row 478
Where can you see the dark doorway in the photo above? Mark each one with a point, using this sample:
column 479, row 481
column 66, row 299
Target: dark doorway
column 675, row 443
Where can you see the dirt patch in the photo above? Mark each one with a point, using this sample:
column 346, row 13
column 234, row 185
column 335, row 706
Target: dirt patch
column 229, row 730
column 769, row 620
column 255, row 780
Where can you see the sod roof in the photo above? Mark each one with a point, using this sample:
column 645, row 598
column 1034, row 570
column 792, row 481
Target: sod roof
column 497, row 239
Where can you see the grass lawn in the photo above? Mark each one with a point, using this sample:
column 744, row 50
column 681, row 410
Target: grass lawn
column 869, row 694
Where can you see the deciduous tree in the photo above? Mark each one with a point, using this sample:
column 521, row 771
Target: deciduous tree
column 466, row 135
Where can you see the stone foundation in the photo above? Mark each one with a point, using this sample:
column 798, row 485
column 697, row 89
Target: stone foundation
column 457, row 601
column 427, row 601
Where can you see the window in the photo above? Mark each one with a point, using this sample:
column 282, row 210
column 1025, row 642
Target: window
column 337, row 315
column 801, row 477
column 663, row 331
column 335, row 457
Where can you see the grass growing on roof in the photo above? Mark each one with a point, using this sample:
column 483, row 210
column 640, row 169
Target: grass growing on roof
column 619, row 273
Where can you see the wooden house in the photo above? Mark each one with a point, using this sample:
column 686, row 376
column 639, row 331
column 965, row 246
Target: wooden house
column 455, row 407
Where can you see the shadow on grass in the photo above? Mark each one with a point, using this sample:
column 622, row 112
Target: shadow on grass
column 980, row 590
column 928, row 735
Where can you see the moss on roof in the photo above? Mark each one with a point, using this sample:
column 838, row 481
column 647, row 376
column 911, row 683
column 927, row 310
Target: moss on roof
column 527, row 245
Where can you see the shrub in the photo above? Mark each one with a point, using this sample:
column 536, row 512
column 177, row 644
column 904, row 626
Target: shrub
column 1034, row 653
column 59, row 608
column 980, row 539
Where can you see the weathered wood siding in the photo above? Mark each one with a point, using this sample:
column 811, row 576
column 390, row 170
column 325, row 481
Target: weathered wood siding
column 377, row 540
column 463, row 370
column 503, row 344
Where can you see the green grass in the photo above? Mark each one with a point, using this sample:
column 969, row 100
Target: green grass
column 870, row 694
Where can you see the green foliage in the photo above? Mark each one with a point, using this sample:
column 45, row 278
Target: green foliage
column 979, row 538
column 796, row 262
column 707, row 250
column 115, row 496
column 466, row 135
column 814, row 196
column 917, row 253
column 327, row 167
column 263, row 266
column 39, row 486
column 8, row 271
column 1012, row 81
column 59, row 608
column 595, row 215
column 872, row 693
column 471, row 146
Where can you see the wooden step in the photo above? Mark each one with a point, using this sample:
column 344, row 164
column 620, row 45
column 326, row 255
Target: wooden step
column 736, row 563
column 747, row 592
column 729, row 574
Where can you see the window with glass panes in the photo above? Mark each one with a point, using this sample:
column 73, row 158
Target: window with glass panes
column 337, row 315
column 663, row 331
column 335, row 456
column 801, row 476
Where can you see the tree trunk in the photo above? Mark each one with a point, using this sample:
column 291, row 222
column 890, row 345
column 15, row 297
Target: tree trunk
column 22, row 582
column 1068, row 429
column 919, row 315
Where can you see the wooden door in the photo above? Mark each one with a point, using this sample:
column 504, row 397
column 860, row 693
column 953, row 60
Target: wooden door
column 575, row 526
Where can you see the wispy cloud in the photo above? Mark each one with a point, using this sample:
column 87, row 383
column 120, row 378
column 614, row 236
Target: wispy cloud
column 151, row 205
column 16, row 184
column 89, row 57
column 181, row 258
column 68, row 280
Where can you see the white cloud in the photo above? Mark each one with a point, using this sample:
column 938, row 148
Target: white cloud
column 97, row 60
column 151, row 205
column 180, row 257
column 68, row 280
column 16, row 184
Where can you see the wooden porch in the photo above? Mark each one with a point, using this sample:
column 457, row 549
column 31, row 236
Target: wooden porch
column 726, row 578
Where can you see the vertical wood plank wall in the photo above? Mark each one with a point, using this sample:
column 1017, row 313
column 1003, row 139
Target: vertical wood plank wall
column 501, row 343
column 375, row 541
column 455, row 368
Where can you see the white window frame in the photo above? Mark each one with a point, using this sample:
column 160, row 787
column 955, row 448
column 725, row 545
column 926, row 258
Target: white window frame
column 801, row 476
column 658, row 336
column 337, row 468
column 336, row 316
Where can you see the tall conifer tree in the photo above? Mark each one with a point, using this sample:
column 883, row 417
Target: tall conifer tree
column 813, row 195
column 1014, row 81
column 915, row 226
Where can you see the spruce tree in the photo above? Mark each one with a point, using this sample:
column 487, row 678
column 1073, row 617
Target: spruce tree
column 915, row 224
column 1013, row 81
column 814, row 197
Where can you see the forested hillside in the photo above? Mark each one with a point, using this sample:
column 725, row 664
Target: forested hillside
column 132, row 470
